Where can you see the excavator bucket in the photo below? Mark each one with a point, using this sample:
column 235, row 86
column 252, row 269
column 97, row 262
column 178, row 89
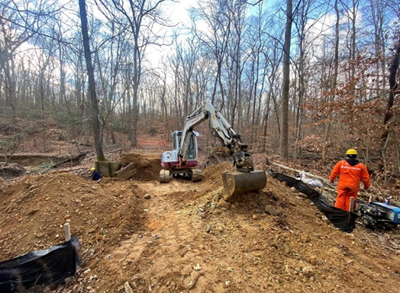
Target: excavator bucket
column 236, row 183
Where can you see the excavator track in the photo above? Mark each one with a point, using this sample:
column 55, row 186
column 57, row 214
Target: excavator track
column 165, row 176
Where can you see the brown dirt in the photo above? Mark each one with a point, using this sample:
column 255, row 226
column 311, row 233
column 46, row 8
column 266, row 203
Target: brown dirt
column 185, row 239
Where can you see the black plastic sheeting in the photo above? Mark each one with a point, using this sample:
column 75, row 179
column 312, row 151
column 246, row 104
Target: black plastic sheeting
column 43, row 267
column 346, row 221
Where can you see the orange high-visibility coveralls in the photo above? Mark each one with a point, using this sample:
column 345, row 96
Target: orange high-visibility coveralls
column 349, row 182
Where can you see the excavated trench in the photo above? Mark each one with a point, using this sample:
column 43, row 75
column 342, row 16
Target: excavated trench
column 18, row 165
column 30, row 160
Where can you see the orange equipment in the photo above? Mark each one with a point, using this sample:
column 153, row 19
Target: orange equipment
column 350, row 172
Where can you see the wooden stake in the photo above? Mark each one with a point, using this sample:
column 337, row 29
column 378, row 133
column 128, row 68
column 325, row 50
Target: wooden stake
column 351, row 204
column 67, row 232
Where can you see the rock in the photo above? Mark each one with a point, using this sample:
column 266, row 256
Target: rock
column 147, row 196
column 87, row 271
column 190, row 285
column 302, row 195
column 227, row 284
column 127, row 287
column 270, row 210
column 307, row 271
column 221, row 228
column 324, row 218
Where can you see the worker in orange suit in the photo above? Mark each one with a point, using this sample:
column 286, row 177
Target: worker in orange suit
column 350, row 172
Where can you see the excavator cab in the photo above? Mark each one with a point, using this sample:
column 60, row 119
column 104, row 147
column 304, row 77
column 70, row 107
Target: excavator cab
column 172, row 163
column 192, row 146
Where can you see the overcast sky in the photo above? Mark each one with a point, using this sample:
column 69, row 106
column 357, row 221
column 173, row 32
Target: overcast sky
column 178, row 14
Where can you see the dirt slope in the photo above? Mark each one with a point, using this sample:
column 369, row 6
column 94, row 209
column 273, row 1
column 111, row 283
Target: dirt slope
column 180, row 237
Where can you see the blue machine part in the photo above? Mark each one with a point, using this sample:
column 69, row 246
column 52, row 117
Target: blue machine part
column 392, row 212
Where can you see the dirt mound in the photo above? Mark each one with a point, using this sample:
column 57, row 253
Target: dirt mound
column 181, row 237
column 148, row 166
column 213, row 172
column 35, row 209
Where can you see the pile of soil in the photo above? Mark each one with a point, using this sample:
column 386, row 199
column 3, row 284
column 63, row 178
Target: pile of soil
column 181, row 237
column 147, row 166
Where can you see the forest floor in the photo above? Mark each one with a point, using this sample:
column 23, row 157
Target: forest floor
column 182, row 237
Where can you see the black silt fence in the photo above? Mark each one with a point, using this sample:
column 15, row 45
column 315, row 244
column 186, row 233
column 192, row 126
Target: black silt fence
column 43, row 267
column 346, row 221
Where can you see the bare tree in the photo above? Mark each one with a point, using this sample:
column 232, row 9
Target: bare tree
column 305, row 23
column 284, row 139
column 273, row 61
column 140, row 16
column 393, row 69
column 334, row 78
column 216, row 39
column 18, row 24
column 379, row 16
column 92, row 85
column 110, row 63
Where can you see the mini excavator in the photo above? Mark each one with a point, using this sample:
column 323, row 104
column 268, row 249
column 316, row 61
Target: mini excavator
column 182, row 160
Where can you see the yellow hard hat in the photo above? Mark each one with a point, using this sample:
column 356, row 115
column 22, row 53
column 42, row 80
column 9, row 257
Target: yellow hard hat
column 351, row 152
column 92, row 169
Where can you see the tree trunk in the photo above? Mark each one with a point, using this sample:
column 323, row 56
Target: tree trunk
column 266, row 122
column 299, row 112
column 11, row 92
column 333, row 88
column 389, row 108
column 92, row 86
column 284, row 138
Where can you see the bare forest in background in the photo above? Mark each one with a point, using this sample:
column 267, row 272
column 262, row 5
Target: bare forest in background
column 295, row 78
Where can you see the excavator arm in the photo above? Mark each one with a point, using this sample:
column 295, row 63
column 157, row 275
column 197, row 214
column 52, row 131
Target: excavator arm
column 181, row 161
column 223, row 130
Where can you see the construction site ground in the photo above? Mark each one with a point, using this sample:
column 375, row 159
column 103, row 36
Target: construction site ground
column 183, row 237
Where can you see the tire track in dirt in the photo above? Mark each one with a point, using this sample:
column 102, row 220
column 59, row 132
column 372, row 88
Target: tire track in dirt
column 183, row 255
column 166, row 253
column 180, row 263
column 190, row 245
